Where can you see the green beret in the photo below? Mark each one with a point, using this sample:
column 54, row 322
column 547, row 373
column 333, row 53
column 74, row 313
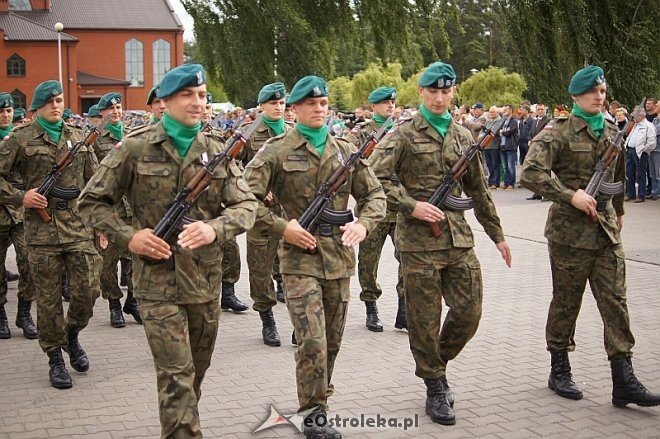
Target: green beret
column 382, row 94
column 438, row 75
column 308, row 87
column 270, row 92
column 153, row 94
column 6, row 101
column 586, row 79
column 108, row 100
column 44, row 92
column 93, row 111
column 287, row 101
column 67, row 113
column 186, row 75
column 19, row 114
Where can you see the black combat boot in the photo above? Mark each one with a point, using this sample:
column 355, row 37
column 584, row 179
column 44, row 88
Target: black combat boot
column 317, row 426
column 4, row 324
column 373, row 322
column 448, row 392
column 116, row 317
column 59, row 376
column 77, row 356
column 131, row 307
column 293, row 338
column 401, row 321
column 24, row 319
column 280, row 291
column 626, row 387
column 125, row 265
column 11, row 276
column 437, row 406
column 66, row 295
column 269, row 329
column 229, row 299
column 561, row 378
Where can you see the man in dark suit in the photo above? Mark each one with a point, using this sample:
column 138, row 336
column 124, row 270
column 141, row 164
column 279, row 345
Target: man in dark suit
column 540, row 120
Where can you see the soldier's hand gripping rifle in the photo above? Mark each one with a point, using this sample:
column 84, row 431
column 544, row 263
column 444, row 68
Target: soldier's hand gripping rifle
column 318, row 209
column 48, row 187
column 597, row 185
column 441, row 198
column 175, row 217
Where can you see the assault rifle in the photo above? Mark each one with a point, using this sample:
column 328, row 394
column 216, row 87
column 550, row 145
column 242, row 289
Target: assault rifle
column 175, row 216
column 48, row 187
column 318, row 210
column 441, row 198
column 596, row 185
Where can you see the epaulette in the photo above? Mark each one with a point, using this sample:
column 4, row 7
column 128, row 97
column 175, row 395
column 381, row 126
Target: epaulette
column 216, row 134
column 140, row 130
column 20, row 127
column 403, row 119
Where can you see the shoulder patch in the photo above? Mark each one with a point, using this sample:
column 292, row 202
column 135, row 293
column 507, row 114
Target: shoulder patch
column 118, row 145
column 6, row 137
column 548, row 126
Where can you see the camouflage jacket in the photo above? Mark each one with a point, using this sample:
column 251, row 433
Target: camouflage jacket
column 10, row 214
column 31, row 154
column 567, row 147
column 147, row 169
column 291, row 169
column 420, row 157
column 357, row 136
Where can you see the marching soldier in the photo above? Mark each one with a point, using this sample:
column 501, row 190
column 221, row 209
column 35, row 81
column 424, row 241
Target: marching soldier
column 11, row 231
column 382, row 102
column 420, row 151
column 263, row 264
column 178, row 301
column 63, row 244
column 317, row 281
column 19, row 116
column 581, row 249
column 94, row 116
column 156, row 105
column 110, row 109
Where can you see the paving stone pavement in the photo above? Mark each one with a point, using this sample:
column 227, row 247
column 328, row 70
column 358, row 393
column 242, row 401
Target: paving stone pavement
column 499, row 379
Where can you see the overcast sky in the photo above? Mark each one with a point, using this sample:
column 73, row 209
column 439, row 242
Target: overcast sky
column 185, row 19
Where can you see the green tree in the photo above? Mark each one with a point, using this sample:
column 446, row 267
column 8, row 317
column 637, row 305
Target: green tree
column 493, row 86
column 373, row 77
column 340, row 93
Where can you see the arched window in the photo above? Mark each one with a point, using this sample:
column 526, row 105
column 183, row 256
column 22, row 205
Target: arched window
column 161, row 59
column 15, row 66
column 134, row 63
column 20, row 5
column 19, row 99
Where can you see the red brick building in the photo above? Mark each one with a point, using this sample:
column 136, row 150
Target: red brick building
column 107, row 45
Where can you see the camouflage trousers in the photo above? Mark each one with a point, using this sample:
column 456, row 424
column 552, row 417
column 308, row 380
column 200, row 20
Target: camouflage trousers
column 8, row 235
column 429, row 277
column 606, row 272
column 82, row 265
column 317, row 308
column 263, row 267
column 110, row 289
column 231, row 261
column 181, row 339
column 368, row 259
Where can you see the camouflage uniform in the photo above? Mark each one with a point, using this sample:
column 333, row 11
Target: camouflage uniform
column 109, row 286
column 179, row 307
column 372, row 247
column 580, row 250
column 435, row 268
column 317, row 285
column 263, row 263
column 63, row 245
column 231, row 261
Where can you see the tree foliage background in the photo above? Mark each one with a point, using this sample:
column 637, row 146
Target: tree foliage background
column 358, row 44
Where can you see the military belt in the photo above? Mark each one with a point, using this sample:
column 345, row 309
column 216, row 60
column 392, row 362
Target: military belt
column 59, row 204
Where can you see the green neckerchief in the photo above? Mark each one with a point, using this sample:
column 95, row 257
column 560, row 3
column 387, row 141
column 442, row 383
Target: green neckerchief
column 4, row 132
column 154, row 120
column 54, row 130
column 315, row 136
column 380, row 120
column 595, row 121
column 181, row 135
column 117, row 129
column 277, row 126
column 439, row 122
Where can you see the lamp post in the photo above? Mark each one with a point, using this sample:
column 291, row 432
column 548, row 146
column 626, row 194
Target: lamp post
column 59, row 27
column 489, row 34
column 473, row 70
